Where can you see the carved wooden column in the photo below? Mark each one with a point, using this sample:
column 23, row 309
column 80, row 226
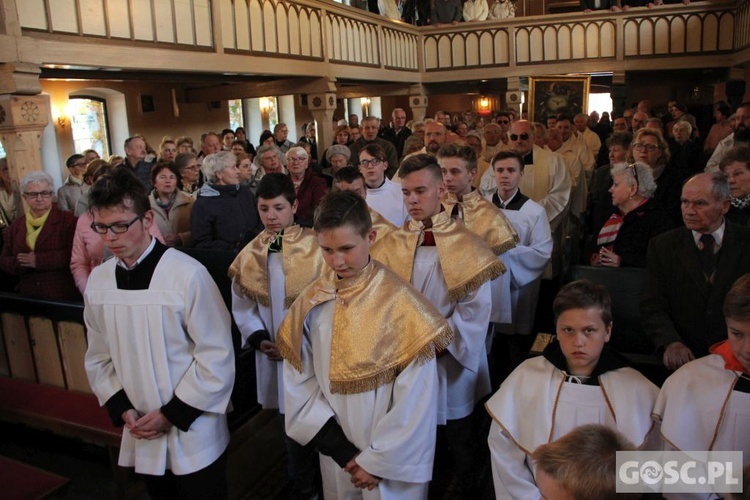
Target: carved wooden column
column 322, row 107
column 418, row 106
column 22, row 119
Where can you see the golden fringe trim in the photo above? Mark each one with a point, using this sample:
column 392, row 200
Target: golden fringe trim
column 440, row 342
column 261, row 299
column 504, row 247
column 286, row 352
column 288, row 301
column 492, row 272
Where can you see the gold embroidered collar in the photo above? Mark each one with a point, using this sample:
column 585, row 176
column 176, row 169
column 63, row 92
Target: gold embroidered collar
column 485, row 220
column 302, row 262
column 467, row 262
column 380, row 325
column 381, row 225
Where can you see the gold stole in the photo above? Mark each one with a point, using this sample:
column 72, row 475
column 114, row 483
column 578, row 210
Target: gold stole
column 465, row 259
column 381, row 225
column 536, row 185
column 485, row 220
column 302, row 260
column 380, row 325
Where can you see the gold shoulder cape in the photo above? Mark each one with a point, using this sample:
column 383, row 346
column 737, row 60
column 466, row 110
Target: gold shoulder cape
column 302, row 259
column 485, row 220
column 466, row 260
column 381, row 225
column 380, row 325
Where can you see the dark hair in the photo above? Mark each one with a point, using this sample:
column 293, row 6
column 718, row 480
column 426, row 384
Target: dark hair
column 418, row 162
column 119, row 188
column 740, row 154
column 274, row 185
column 737, row 301
column 226, row 131
column 72, row 159
column 159, row 166
column 101, row 170
column 264, row 136
column 564, row 117
column 374, row 150
column 239, row 142
column 461, row 151
column 184, row 140
column 504, row 155
column 343, row 208
column 583, row 294
column 348, row 175
column 724, row 109
column 620, row 139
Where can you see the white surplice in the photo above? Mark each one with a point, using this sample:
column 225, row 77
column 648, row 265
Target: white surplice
column 517, row 290
column 388, row 201
column 523, row 408
column 393, row 425
column 172, row 339
column 463, row 371
column 251, row 316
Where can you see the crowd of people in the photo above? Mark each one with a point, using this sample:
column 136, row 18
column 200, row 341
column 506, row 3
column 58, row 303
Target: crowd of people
column 481, row 215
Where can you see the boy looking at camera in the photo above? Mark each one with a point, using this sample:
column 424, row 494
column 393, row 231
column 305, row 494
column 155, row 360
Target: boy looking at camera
column 359, row 386
column 576, row 381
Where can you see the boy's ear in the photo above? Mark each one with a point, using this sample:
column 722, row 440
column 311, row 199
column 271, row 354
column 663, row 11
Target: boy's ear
column 371, row 236
column 294, row 206
column 608, row 333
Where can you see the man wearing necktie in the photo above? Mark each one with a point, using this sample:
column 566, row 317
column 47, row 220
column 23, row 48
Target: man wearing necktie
column 690, row 270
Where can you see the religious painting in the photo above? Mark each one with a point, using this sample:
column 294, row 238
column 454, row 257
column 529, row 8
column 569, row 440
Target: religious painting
column 552, row 95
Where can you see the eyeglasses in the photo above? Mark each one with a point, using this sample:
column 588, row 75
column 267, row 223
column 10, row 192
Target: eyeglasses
column 367, row 163
column 79, row 164
column 524, row 137
column 634, row 170
column 503, row 121
column 296, row 159
column 40, row 194
column 639, row 146
column 117, row 227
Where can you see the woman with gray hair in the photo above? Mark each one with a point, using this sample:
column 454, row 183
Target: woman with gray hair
column 309, row 187
column 225, row 213
column 38, row 244
column 637, row 217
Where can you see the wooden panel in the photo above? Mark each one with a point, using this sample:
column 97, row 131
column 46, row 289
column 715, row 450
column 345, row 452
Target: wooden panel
column 30, row 14
column 73, row 346
column 726, row 31
column 117, row 13
column 92, row 17
column 18, row 347
column 183, row 13
column 46, row 352
column 710, row 32
column 143, row 27
column 164, row 24
column 64, row 16
column 202, row 12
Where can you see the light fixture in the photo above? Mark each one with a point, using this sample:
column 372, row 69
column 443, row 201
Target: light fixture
column 60, row 116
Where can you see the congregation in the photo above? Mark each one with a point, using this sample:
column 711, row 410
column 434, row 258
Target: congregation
column 484, row 215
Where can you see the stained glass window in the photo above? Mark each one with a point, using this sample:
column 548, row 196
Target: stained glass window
column 236, row 115
column 88, row 116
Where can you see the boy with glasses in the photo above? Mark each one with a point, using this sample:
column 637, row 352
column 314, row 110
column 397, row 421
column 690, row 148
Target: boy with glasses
column 383, row 195
column 74, row 187
column 160, row 354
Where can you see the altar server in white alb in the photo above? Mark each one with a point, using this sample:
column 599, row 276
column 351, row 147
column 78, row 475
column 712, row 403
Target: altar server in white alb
column 705, row 404
column 160, row 353
column 576, row 381
column 453, row 268
column 360, row 381
column 267, row 276
column 383, row 195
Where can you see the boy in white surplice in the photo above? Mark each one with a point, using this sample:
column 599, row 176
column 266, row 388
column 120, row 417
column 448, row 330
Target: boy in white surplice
column 360, row 381
column 160, row 353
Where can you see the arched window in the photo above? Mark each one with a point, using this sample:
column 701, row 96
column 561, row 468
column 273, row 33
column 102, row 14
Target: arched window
column 88, row 117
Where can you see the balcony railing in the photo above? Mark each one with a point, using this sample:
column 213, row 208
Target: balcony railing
column 322, row 31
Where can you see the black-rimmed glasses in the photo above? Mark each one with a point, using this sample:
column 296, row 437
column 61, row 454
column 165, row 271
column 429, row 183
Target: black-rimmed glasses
column 117, row 227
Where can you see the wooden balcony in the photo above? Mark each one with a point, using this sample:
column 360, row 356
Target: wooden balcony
column 309, row 38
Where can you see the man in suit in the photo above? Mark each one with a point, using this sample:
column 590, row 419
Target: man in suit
column 690, row 270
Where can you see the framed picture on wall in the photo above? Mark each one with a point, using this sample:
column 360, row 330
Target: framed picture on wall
column 552, row 95
column 147, row 103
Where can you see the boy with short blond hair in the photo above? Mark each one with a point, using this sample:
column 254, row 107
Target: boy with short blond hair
column 576, row 381
column 358, row 384
column 581, row 465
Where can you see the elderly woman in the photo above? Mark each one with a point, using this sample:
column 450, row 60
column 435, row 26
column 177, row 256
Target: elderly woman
column 38, row 244
column 736, row 167
column 341, row 137
column 649, row 147
column 686, row 153
column 88, row 245
column 624, row 237
column 190, row 172
column 600, row 201
column 269, row 160
column 225, row 214
column 171, row 206
column 310, row 188
column 245, row 166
